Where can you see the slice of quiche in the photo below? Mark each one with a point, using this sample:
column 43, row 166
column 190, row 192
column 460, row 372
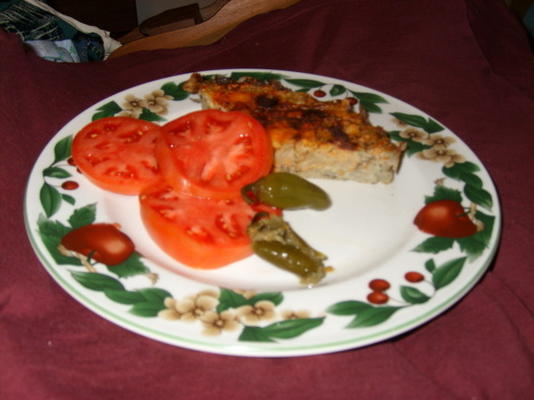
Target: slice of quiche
column 311, row 138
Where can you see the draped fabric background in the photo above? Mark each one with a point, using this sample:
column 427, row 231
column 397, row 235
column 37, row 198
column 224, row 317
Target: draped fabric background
column 466, row 63
column 52, row 35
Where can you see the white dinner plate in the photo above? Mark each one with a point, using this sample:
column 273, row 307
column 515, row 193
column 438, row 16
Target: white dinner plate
column 251, row 308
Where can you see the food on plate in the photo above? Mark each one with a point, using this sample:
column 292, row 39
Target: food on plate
column 312, row 138
column 102, row 242
column 117, row 153
column 199, row 232
column 213, row 153
column 206, row 194
column 275, row 241
column 286, row 191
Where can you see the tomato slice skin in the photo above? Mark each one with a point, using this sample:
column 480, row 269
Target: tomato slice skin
column 212, row 153
column 198, row 232
column 117, row 153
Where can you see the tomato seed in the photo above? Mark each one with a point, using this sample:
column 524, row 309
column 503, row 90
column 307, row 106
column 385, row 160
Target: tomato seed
column 228, row 225
column 110, row 127
column 198, row 233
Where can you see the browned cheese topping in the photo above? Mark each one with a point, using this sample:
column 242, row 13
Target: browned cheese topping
column 311, row 138
column 293, row 116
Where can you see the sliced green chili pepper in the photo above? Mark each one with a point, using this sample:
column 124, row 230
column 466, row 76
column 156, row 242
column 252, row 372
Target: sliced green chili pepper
column 291, row 259
column 274, row 240
column 287, row 191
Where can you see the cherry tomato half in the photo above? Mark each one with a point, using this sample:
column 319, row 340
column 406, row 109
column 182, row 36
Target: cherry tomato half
column 117, row 153
column 198, row 232
column 213, row 153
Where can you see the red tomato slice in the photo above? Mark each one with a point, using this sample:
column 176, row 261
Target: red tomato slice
column 117, row 153
column 213, row 153
column 198, row 232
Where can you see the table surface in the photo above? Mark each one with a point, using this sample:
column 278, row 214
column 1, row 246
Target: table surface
column 465, row 63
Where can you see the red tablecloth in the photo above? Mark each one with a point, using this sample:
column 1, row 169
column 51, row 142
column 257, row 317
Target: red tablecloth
column 467, row 63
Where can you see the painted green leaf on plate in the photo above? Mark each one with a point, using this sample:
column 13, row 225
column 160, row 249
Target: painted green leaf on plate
column 50, row 199
column 478, row 196
column 68, row 198
column 372, row 316
column 262, row 76
column 367, row 97
column 370, row 107
column 413, row 295
column 472, row 180
column 336, row 90
column 146, row 309
column 427, row 124
column 154, row 295
column 369, row 101
column 305, row 83
column 146, row 302
column 62, row 149
column 274, row 297
column 348, row 307
column 459, row 169
column 150, row 116
column 412, row 147
column 430, row 265
column 124, row 296
column 131, row 267
column 107, row 110
column 447, row 272
column 476, row 244
column 230, row 299
column 97, row 281
column 83, row 216
column 365, row 314
column 444, row 193
column 51, row 233
column 177, row 92
column 434, row 245
column 287, row 329
column 56, row 172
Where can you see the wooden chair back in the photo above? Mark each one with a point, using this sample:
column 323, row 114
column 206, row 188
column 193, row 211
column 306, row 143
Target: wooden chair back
column 226, row 17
